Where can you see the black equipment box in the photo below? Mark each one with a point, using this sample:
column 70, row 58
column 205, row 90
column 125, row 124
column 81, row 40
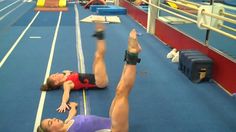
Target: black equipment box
column 195, row 65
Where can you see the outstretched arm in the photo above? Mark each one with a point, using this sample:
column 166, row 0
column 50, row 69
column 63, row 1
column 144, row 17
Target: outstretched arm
column 67, row 86
column 72, row 112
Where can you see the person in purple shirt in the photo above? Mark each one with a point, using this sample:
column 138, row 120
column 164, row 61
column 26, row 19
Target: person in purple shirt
column 119, row 109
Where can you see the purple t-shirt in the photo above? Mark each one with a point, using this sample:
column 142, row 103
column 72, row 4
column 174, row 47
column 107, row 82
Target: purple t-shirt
column 89, row 123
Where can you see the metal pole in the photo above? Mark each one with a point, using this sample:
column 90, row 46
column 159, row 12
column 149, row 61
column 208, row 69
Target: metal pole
column 208, row 30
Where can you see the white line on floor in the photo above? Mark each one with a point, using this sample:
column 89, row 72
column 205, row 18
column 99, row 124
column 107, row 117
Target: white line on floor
column 17, row 41
column 43, row 93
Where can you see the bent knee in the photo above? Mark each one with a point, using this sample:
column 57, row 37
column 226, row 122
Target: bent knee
column 102, row 83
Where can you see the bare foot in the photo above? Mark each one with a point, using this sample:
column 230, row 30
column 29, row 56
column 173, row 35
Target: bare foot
column 133, row 44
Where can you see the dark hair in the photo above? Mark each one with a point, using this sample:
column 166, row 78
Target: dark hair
column 50, row 85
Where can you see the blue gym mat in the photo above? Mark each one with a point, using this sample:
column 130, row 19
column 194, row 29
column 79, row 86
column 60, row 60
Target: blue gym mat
column 163, row 99
column 108, row 10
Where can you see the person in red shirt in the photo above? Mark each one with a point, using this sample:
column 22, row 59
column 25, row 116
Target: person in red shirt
column 76, row 81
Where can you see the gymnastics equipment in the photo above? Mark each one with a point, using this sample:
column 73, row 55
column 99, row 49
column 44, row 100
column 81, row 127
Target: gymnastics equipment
column 62, row 3
column 204, row 17
column 210, row 17
column 187, row 7
column 108, row 10
column 173, row 20
column 94, row 2
column 182, row 57
column 195, row 65
column 110, row 2
column 40, row 3
column 102, row 19
column 171, row 4
column 51, row 5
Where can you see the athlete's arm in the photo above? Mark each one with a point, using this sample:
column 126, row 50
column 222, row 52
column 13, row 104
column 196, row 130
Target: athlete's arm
column 67, row 86
column 72, row 112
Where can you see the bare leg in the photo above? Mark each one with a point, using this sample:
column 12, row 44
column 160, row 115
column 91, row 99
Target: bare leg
column 119, row 111
column 99, row 67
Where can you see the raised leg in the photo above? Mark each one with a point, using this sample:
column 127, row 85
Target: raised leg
column 99, row 66
column 119, row 110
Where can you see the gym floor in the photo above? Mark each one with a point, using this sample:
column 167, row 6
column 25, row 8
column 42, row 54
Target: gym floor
column 34, row 44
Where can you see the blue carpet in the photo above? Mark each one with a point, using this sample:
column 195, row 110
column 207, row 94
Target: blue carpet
column 26, row 18
column 163, row 99
column 8, row 38
column 47, row 19
column 13, row 17
column 20, row 84
column 64, row 59
column 69, row 17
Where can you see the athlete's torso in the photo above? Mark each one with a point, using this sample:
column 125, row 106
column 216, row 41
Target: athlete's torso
column 75, row 78
column 89, row 123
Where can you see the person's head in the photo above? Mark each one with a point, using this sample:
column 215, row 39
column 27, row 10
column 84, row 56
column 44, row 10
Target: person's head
column 54, row 81
column 51, row 125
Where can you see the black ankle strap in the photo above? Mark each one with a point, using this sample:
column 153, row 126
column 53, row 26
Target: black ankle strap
column 99, row 35
column 131, row 58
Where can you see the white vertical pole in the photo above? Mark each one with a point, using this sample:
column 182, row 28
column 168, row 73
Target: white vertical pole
column 116, row 2
column 153, row 13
